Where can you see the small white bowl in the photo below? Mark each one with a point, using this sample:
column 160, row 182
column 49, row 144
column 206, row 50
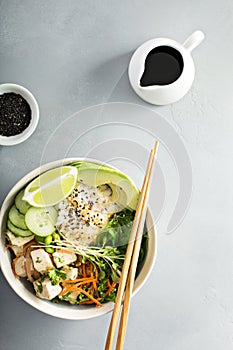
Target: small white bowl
column 27, row 95
column 24, row 288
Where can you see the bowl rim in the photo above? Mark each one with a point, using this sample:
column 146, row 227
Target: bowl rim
column 29, row 97
column 68, row 312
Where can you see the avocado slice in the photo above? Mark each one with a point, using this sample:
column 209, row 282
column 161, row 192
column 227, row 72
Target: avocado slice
column 124, row 192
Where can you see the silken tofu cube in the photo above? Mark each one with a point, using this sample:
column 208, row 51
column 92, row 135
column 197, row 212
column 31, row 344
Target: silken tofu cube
column 71, row 272
column 20, row 268
column 45, row 290
column 41, row 260
column 62, row 257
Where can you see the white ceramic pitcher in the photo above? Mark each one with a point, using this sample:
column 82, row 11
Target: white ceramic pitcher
column 164, row 94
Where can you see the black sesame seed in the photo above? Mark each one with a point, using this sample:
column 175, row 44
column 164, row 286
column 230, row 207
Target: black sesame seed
column 15, row 114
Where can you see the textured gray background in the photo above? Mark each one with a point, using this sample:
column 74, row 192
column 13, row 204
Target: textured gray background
column 73, row 54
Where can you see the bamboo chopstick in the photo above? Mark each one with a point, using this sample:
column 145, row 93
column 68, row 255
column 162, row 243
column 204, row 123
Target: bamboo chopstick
column 136, row 231
column 133, row 266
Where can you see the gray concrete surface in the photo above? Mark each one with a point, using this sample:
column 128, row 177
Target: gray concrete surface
column 74, row 54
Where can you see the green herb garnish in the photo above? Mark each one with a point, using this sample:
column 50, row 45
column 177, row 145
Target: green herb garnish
column 56, row 276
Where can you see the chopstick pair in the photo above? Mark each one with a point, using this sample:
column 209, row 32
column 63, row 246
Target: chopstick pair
column 130, row 264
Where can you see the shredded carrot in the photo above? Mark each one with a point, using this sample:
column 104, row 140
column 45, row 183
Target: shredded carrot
column 89, row 302
column 80, row 284
column 92, row 290
column 71, row 287
column 94, row 285
column 86, row 279
column 89, row 296
column 91, row 267
column 80, row 290
column 68, row 289
column 89, row 282
column 84, row 270
column 113, row 285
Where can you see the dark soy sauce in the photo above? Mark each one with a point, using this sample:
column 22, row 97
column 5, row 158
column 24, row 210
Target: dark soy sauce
column 163, row 66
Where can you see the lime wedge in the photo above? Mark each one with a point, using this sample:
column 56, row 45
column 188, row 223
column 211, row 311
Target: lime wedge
column 51, row 187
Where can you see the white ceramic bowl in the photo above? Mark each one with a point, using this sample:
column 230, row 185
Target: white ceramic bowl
column 25, row 290
column 27, row 95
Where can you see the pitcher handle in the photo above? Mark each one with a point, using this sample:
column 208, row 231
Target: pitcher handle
column 194, row 40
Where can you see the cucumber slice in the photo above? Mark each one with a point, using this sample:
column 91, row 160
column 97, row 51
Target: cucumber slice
column 18, row 231
column 16, row 218
column 20, row 204
column 41, row 221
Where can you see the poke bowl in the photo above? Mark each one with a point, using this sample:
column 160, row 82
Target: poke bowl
column 64, row 232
